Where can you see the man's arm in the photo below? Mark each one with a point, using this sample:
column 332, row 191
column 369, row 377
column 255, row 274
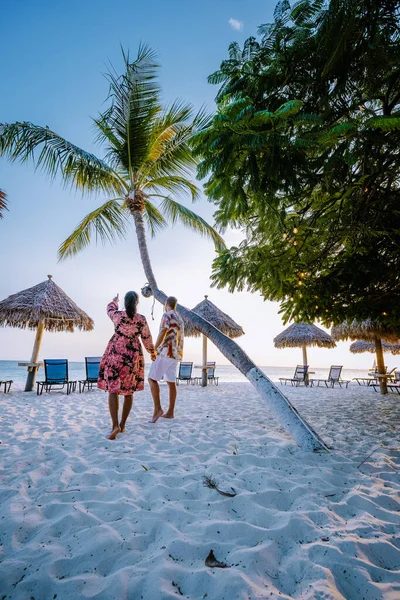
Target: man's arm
column 161, row 336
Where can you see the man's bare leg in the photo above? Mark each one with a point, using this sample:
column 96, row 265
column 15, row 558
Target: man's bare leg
column 113, row 405
column 126, row 409
column 172, row 397
column 155, row 392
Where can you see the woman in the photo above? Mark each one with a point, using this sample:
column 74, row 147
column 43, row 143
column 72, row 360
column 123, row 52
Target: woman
column 122, row 366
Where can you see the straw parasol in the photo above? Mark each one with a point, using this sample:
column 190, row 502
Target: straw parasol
column 301, row 335
column 360, row 346
column 368, row 331
column 216, row 317
column 43, row 306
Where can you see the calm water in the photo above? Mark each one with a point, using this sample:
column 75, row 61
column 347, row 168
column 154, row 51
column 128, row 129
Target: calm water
column 9, row 369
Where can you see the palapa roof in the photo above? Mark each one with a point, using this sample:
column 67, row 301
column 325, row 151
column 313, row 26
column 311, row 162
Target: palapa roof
column 364, row 330
column 303, row 334
column 216, row 317
column 43, row 302
column 361, row 346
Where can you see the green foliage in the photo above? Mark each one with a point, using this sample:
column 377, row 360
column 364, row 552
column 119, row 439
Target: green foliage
column 302, row 155
column 146, row 150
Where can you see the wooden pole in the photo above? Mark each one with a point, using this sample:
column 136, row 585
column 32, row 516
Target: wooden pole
column 30, row 380
column 381, row 365
column 304, row 348
column 204, row 373
column 304, row 355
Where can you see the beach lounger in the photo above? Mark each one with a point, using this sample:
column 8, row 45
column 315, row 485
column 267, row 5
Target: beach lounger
column 92, row 365
column 185, row 373
column 392, row 387
column 7, row 385
column 371, row 380
column 299, row 377
column 210, row 374
column 334, row 377
column 365, row 380
column 56, row 375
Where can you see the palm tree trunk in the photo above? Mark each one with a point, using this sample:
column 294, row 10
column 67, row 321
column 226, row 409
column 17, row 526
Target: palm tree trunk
column 380, row 363
column 280, row 406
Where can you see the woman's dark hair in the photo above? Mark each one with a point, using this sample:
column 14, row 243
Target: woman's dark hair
column 131, row 301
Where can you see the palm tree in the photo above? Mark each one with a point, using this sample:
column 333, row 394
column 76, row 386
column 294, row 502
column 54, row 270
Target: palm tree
column 147, row 155
column 3, row 203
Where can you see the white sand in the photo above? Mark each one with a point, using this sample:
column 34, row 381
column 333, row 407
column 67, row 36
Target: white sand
column 83, row 517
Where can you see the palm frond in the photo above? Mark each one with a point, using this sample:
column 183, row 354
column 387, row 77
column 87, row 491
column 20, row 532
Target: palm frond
column 154, row 219
column 173, row 184
column 108, row 222
column 3, row 203
column 177, row 213
column 135, row 105
column 57, row 157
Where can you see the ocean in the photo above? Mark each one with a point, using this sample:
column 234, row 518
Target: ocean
column 9, row 369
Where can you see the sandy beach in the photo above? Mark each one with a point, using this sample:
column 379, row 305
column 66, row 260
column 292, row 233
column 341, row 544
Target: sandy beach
column 83, row 517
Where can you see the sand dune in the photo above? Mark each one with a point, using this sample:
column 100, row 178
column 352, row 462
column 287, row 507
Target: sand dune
column 83, row 517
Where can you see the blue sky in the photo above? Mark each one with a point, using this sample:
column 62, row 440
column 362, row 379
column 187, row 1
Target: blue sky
column 53, row 56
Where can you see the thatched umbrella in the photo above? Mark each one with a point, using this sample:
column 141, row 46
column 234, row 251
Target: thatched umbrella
column 220, row 320
column 301, row 335
column 43, row 306
column 368, row 331
column 360, row 347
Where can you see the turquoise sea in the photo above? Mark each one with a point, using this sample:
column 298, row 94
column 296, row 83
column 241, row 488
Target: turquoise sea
column 9, row 369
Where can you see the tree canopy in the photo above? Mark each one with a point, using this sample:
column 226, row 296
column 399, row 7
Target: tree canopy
column 302, row 155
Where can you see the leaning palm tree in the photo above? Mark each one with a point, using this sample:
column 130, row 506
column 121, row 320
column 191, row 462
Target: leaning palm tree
column 147, row 158
column 3, row 203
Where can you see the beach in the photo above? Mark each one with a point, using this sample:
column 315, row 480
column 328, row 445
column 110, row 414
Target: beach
column 84, row 517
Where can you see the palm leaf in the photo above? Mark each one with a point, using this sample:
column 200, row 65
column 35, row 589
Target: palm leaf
column 173, row 184
column 3, row 203
column 56, row 156
column 384, row 123
column 135, row 105
column 177, row 213
column 108, row 222
column 153, row 218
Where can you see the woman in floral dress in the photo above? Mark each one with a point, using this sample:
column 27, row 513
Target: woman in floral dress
column 122, row 366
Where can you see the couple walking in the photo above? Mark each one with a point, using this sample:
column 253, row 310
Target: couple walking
column 122, row 366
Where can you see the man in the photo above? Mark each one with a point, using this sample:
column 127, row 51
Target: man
column 169, row 348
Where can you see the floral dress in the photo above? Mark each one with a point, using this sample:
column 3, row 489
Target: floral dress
column 122, row 366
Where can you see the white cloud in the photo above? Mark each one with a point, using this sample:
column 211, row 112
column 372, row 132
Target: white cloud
column 235, row 24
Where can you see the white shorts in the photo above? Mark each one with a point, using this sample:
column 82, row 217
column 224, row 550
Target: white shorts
column 165, row 367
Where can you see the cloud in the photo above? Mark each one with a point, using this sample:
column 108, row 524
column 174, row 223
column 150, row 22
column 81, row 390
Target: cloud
column 235, row 24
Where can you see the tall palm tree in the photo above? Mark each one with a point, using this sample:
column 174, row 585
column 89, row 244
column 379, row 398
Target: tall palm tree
column 3, row 203
column 147, row 155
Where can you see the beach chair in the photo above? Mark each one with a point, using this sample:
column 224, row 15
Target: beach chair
column 211, row 373
column 371, row 380
column 92, row 366
column 185, row 373
column 7, row 385
column 56, row 375
column 390, row 379
column 300, row 376
column 334, row 377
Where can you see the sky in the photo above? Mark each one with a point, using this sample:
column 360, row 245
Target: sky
column 54, row 55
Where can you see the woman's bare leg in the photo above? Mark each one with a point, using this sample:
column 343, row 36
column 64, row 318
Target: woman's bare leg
column 128, row 400
column 113, row 405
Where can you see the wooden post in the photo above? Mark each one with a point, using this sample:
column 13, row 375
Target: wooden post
column 204, row 373
column 381, row 365
column 30, row 380
column 304, row 354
